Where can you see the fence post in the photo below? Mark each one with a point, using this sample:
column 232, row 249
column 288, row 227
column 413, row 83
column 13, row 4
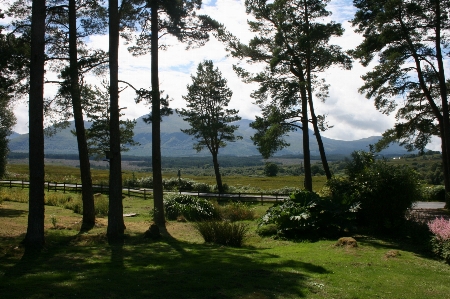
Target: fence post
column 48, row 186
column 22, row 184
column 56, row 184
column 10, row 183
column 145, row 196
column 76, row 187
column 64, row 187
column 261, row 198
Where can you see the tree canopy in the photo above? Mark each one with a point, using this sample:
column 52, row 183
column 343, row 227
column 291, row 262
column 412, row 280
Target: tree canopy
column 292, row 41
column 410, row 41
column 210, row 121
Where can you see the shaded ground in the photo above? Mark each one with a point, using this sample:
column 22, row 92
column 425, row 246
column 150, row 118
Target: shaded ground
column 425, row 215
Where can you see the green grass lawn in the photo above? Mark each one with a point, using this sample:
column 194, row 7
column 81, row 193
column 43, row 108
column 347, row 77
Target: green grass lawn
column 180, row 265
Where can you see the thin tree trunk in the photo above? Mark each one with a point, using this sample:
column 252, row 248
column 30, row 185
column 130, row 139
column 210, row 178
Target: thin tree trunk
column 323, row 155
column 156, row 124
column 306, row 152
column 34, row 238
column 217, row 173
column 116, row 225
column 85, row 168
column 445, row 108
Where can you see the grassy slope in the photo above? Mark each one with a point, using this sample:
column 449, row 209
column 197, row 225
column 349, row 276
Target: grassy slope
column 181, row 266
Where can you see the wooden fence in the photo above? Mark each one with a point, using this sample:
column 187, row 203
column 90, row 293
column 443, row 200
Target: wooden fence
column 146, row 192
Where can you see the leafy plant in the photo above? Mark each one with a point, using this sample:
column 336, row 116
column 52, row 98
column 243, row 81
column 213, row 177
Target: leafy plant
column 222, row 232
column 440, row 242
column 306, row 213
column 385, row 192
column 192, row 208
column 235, row 211
column 54, row 220
column 271, row 169
column 433, row 193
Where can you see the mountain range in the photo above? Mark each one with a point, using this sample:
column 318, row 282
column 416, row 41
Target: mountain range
column 174, row 143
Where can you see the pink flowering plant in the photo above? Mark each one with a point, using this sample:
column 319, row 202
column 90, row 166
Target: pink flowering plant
column 440, row 242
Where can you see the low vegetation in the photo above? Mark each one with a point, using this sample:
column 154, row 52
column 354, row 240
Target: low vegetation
column 238, row 250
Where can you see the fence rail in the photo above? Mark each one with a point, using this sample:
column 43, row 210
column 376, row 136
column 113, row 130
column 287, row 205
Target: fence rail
column 146, row 192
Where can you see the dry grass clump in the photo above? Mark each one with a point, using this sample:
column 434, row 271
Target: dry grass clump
column 346, row 241
column 392, row 254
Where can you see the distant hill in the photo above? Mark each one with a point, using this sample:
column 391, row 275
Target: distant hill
column 174, row 143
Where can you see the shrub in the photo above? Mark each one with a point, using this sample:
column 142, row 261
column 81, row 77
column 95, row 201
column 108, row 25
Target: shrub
column 440, row 242
column 235, row 211
column 306, row 214
column 179, row 184
column 190, row 207
column 101, row 204
column 267, row 230
column 433, row 193
column 271, row 169
column 202, row 187
column 222, row 232
column 385, row 192
column 146, row 182
column 440, row 228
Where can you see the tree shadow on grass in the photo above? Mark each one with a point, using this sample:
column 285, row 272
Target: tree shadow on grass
column 166, row 268
column 11, row 213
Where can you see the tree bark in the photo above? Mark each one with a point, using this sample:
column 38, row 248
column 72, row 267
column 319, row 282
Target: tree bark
column 323, row 155
column 85, row 168
column 34, row 238
column 217, row 173
column 116, row 224
column 156, row 122
column 444, row 101
column 306, row 152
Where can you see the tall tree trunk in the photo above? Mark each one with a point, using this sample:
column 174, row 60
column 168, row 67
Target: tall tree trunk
column 156, row 122
column 323, row 156
column 217, row 173
column 34, row 238
column 116, row 224
column 306, row 152
column 85, row 168
column 311, row 103
column 445, row 163
column 444, row 101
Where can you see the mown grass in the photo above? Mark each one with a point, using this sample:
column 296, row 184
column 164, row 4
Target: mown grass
column 180, row 265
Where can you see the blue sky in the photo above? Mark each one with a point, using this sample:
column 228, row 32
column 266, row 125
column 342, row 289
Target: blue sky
column 351, row 114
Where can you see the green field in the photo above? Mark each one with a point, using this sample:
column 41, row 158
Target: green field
column 180, row 265
column 61, row 173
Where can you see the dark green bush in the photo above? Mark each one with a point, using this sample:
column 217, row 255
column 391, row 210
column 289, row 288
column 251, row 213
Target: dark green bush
column 271, row 169
column 441, row 248
column 179, row 184
column 433, row 193
column 202, row 187
column 385, row 192
column 190, row 207
column 267, row 230
column 222, row 232
column 306, row 214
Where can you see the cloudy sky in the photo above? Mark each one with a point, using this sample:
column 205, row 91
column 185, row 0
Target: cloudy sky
column 352, row 115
